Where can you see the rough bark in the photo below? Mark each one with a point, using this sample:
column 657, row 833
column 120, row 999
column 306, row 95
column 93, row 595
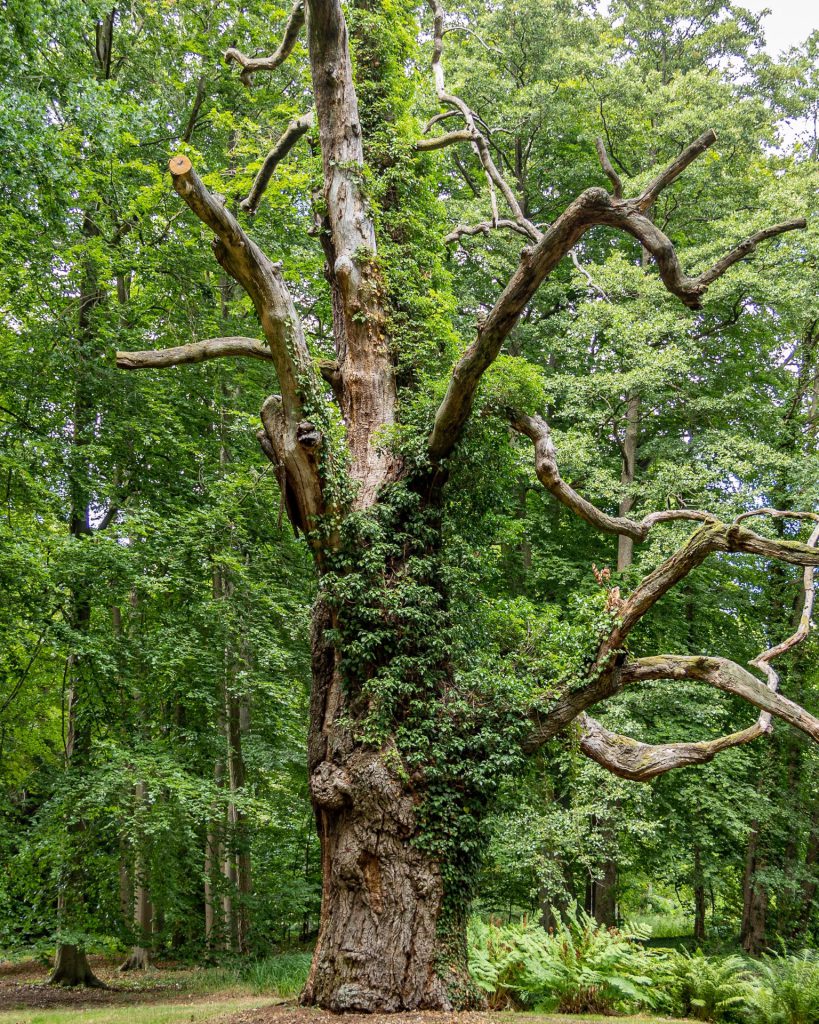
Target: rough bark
column 379, row 946
column 365, row 368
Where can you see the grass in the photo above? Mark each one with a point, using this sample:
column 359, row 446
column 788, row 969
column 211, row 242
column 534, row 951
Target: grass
column 202, row 1012
column 147, row 1013
column 283, row 975
column 665, row 926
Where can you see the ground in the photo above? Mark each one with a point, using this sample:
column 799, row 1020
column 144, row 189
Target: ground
column 184, row 996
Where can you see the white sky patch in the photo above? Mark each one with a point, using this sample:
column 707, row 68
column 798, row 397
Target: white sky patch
column 789, row 23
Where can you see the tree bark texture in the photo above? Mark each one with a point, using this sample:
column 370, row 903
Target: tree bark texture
column 383, row 944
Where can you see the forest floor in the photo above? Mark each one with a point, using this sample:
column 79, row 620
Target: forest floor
column 180, row 996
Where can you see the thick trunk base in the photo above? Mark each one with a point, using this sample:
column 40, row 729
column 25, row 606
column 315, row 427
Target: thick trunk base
column 380, row 946
column 138, row 960
column 71, row 969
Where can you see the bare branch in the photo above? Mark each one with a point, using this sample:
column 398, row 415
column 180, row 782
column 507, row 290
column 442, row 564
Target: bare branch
column 250, row 65
column 746, row 247
column 464, row 230
column 259, row 276
column 593, row 285
column 593, row 207
column 639, row 762
column 611, row 671
column 724, row 675
column 547, row 471
column 196, row 352
column 291, row 136
column 293, row 440
column 763, row 661
column 649, row 195
column 494, row 178
column 606, row 164
column 440, row 141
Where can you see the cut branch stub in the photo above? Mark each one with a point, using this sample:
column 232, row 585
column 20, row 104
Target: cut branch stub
column 179, row 164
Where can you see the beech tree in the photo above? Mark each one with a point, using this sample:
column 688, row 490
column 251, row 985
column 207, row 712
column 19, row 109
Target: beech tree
column 406, row 746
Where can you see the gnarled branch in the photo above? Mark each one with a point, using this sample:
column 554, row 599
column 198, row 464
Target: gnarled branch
column 195, row 352
column 594, row 207
column 440, row 141
column 537, row 429
column 724, row 675
column 639, row 762
column 465, row 230
column 250, row 65
column 612, row 671
column 291, row 441
column 294, row 131
column 608, row 168
column 472, row 134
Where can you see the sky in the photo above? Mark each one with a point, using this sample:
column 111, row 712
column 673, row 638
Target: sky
column 789, row 22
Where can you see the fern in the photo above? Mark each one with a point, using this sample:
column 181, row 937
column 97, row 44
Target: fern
column 581, row 967
column 788, row 990
column 710, row 988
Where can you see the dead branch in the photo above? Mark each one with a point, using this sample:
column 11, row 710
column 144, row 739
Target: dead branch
column 195, row 352
column 250, row 65
column 594, row 207
column 294, row 131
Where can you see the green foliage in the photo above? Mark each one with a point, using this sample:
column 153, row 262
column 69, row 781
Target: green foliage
column 283, row 975
column 787, row 989
column 709, row 988
column 581, row 966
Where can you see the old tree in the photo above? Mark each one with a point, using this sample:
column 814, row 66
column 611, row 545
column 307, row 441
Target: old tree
column 406, row 744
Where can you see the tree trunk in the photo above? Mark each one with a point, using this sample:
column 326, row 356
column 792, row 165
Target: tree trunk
column 139, row 957
column 388, row 940
column 71, row 968
column 603, row 895
column 378, row 947
column 755, row 899
column 625, row 545
column 698, row 883
column 807, row 895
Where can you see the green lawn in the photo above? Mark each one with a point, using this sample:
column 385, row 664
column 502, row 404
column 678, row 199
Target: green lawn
column 201, row 1011
column 147, row 1013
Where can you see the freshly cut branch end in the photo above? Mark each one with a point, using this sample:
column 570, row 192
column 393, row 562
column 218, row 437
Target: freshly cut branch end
column 179, row 165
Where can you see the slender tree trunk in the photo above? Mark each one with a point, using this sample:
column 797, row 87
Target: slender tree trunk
column 139, row 958
column 625, row 545
column 699, row 897
column 807, row 900
column 601, row 895
column 755, row 898
column 237, row 712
